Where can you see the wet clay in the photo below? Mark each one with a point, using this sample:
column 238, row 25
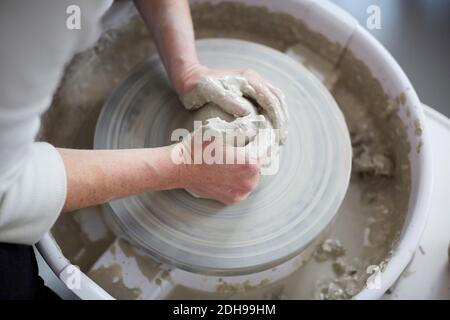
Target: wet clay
column 380, row 186
column 232, row 93
column 111, row 279
column 120, row 257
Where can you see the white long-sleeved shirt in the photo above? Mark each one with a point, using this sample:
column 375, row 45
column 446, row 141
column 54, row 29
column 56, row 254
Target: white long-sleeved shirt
column 35, row 46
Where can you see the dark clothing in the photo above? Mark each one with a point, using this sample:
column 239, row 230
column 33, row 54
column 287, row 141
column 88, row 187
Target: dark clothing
column 19, row 275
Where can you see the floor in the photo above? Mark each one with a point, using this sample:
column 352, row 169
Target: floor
column 417, row 33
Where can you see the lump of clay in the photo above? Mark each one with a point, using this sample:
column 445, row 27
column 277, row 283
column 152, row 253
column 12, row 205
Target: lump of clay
column 253, row 131
column 367, row 160
column 234, row 95
column 349, row 277
column 210, row 111
column 372, row 164
column 329, row 249
column 222, row 106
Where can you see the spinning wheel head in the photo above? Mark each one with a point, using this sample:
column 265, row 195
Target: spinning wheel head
column 281, row 217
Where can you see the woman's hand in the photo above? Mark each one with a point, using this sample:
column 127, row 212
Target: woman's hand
column 231, row 90
column 171, row 25
column 98, row 176
column 229, row 182
column 226, row 183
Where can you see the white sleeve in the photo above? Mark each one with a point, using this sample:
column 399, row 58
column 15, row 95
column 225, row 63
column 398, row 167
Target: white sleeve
column 36, row 196
column 35, row 46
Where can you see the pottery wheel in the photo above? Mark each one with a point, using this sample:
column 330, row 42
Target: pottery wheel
column 281, row 217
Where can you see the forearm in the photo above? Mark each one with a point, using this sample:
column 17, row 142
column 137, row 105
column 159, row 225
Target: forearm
column 171, row 25
column 98, row 176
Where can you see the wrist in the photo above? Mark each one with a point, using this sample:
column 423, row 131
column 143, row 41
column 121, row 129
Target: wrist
column 162, row 169
column 187, row 76
column 181, row 164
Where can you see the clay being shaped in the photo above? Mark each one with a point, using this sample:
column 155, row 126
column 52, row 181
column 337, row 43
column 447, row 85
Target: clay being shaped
column 260, row 126
column 287, row 210
column 231, row 94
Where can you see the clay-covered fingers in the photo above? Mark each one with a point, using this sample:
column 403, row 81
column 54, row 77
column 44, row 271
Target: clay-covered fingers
column 226, row 92
column 270, row 99
column 234, row 91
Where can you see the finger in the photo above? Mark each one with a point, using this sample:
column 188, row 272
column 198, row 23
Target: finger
column 266, row 100
column 229, row 97
column 283, row 113
column 224, row 92
column 271, row 100
column 281, row 99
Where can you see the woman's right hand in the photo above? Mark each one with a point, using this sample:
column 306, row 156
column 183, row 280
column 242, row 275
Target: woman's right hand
column 228, row 183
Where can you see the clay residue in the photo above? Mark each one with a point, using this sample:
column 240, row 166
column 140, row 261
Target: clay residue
column 393, row 106
column 381, row 149
column 147, row 265
column 224, row 287
column 329, row 249
column 258, row 24
column 344, row 285
column 75, row 244
column 111, row 279
column 418, row 132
